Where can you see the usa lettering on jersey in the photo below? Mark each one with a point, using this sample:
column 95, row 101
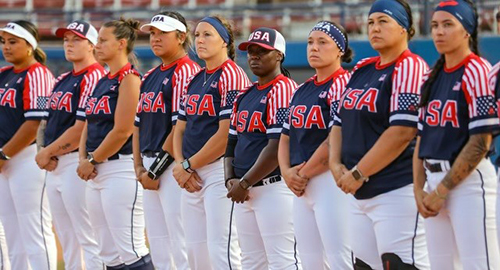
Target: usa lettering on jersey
column 8, row 97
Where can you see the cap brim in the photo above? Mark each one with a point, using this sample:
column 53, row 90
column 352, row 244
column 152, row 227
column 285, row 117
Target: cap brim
column 61, row 31
column 165, row 28
column 244, row 45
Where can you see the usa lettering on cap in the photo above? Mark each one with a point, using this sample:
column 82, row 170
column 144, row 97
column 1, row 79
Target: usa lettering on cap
column 267, row 38
column 82, row 29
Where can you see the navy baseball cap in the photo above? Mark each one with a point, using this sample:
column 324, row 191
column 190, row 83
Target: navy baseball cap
column 267, row 38
column 82, row 29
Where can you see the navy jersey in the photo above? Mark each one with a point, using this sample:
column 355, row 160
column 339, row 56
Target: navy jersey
column 69, row 100
column 101, row 106
column 258, row 115
column 23, row 96
column 161, row 89
column 311, row 114
column 460, row 104
column 376, row 98
column 209, row 98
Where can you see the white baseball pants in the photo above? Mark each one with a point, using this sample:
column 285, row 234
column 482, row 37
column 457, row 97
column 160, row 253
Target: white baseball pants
column 114, row 201
column 265, row 229
column 463, row 235
column 67, row 193
column 25, row 215
column 4, row 257
column 162, row 212
column 207, row 215
column 321, row 224
column 388, row 223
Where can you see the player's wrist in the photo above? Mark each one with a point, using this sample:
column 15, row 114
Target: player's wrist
column 442, row 192
column 91, row 159
column 358, row 175
column 4, row 156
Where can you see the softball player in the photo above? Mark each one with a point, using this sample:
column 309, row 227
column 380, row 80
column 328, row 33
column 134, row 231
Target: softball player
column 319, row 213
column 494, row 84
column 372, row 145
column 251, row 167
column 65, row 121
column 455, row 133
column 4, row 257
column 114, row 197
column 24, row 90
column 161, row 91
column 200, row 139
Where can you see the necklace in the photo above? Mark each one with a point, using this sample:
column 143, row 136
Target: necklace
column 205, row 77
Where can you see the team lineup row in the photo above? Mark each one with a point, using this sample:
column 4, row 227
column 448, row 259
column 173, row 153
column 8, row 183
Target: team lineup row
column 385, row 167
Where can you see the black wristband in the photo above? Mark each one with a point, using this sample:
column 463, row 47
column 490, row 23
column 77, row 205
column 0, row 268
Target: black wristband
column 161, row 163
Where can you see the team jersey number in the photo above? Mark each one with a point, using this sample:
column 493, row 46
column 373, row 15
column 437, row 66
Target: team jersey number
column 196, row 106
column 255, row 124
column 358, row 99
column 61, row 101
column 95, row 106
column 300, row 119
column 439, row 115
column 8, row 97
column 150, row 103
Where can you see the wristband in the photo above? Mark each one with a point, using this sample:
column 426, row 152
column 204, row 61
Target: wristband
column 161, row 163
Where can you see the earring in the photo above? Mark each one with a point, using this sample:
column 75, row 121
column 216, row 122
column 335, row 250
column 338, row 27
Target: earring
column 30, row 52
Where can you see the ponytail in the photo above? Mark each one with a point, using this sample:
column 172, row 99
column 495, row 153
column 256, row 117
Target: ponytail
column 39, row 54
column 284, row 71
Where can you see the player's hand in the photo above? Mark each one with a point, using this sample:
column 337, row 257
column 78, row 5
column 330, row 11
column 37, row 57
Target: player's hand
column 348, row 184
column 231, row 182
column 52, row 165
column 193, row 184
column 236, row 193
column 296, row 183
column 148, row 183
column 338, row 170
column 420, row 194
column 42, row 158
column 139, row 170
column 433, row 203
column 180, row 175
column 86, row 170
column 2, row 163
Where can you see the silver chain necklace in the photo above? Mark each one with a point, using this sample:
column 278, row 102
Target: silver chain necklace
column 205, row 77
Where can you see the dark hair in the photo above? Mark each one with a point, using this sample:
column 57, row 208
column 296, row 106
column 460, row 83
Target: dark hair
column 411, row 30
column 231, row 49
column 349, row 53
column 40, row 55
column 176, row 15
column 284, row 71
column 439, row 65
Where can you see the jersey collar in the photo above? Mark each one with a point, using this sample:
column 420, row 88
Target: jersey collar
column 125, row 67
column 164, row 67
column 402, row 56
column 273, row 81
column 334, row 75
column 461, row 64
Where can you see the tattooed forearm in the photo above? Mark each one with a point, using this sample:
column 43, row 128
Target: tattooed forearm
column 40, row 135
column 64, row 147
column 473, row 152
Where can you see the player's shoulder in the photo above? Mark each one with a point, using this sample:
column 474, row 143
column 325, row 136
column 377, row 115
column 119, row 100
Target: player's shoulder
column 476, row 68
column 95, row 71
column 6, row 68
column 410, row 60
column 232, row 70
column 62, row 76
column 186, row 67
column 149, row 72
column 128, row 69
column 366, row 62
column 287, row 82
column 39, row 70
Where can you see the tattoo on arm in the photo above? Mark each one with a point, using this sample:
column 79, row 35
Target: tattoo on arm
column 64, row 147
column 40, row 135
column 473, row 152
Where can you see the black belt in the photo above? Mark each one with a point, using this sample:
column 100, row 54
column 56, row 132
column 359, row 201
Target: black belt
column 150, row 154
column 115, row 156
column 434, row 168
column 268, row 181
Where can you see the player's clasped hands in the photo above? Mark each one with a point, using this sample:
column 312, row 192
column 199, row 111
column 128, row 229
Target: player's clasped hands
column 45, row 161
column 429, row 204
column 86, row 170
column 147, row 183
column 235, row 192
column 295, row 182
column 188, row 181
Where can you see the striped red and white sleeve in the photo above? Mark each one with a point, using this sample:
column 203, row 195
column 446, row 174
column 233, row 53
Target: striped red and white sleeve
column 278, row 103
column 87, row 87
column 38, row 86
column 407, row 80
column 480, row 97
column 232, row 80
column 182, row 75
column 334, row 94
